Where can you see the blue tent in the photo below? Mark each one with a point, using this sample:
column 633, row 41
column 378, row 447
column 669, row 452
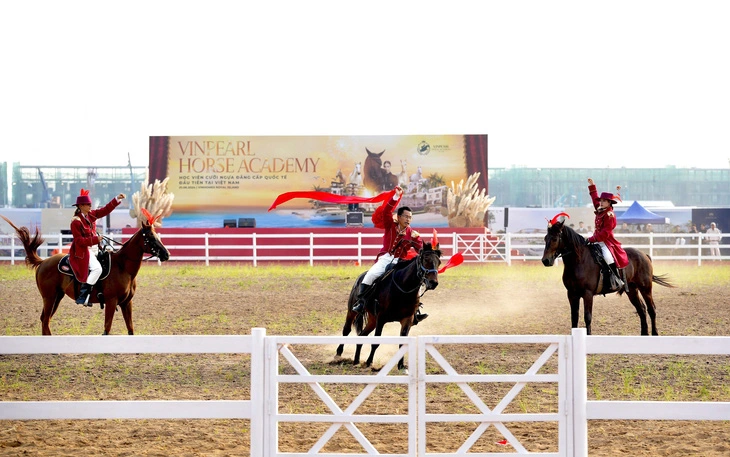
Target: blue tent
column 637, row 214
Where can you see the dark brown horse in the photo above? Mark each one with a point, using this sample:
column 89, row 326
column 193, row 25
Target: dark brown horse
column 581, row 275
column 396, row 296
column 117, row 289
column 372, row 172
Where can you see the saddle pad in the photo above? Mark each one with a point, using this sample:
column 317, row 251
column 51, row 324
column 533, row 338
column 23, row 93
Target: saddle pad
column 105, row 259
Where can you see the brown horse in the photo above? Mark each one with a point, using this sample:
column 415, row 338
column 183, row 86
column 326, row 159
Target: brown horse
column 372, row 171
column 117, row 289
column 396, row 296
column 581, row 275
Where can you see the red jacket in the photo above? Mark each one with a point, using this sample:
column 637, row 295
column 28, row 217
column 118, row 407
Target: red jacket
column 604, row 225
column 84, row 236
column 391, row 237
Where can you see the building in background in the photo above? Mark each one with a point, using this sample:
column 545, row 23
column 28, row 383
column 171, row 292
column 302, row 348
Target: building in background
column 42, row 186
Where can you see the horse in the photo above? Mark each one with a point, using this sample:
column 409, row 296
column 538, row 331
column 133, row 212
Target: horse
column 356, row 176
column 396, row 296
column 403, row 178
column 581, row 275
column 117, row 289
column 373, row 172
column 418, row 175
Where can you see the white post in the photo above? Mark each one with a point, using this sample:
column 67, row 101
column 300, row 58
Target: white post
column 359, row 248
column 699, row 251
column 651, row 244
column 508, row 248
column 271, row 395
column 311, row 249
column 454, row 243
column 207, row 252
column 12, row 250
column 254, row 252
column 580, row 393
column 257, row 391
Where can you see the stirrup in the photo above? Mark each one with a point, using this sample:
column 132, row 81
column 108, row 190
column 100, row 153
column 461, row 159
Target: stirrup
column 359, row 306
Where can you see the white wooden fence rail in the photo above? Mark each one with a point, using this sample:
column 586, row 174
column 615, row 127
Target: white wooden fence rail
column 262, row 409
column 477, row 248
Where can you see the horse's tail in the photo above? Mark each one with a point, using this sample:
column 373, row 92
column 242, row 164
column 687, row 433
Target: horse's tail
column 359, row 321
column 31, row 244
column 662, row 281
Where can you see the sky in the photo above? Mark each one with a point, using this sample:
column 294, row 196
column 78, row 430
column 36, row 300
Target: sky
column 636, row 84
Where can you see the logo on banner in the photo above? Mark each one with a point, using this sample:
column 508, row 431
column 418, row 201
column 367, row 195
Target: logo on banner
column 424, row 148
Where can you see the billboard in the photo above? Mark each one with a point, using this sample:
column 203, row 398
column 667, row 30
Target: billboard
column 238, row 177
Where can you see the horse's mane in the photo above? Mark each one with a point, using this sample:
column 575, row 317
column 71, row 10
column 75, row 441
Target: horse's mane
column 574, row 240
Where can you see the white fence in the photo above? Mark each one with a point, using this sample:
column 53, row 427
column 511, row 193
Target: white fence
column 262, row 409
column 477, row 248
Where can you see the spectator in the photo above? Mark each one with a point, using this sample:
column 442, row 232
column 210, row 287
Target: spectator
column 648, row 228
column 624, row 228
column 713, row 238
column 693, row 234
column 581, row 227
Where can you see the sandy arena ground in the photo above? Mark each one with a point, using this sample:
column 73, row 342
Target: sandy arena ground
column 522, row 299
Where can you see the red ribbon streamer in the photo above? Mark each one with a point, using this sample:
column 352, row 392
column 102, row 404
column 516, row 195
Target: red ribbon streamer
column 454, row 261
column 330, row 198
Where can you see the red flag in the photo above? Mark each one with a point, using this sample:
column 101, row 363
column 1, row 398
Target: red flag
column 502, row 443
column 455, row 260
column 330, row 198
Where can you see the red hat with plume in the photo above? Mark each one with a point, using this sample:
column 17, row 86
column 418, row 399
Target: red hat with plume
column 83, row 198
column 554, row 220
column 611, row 197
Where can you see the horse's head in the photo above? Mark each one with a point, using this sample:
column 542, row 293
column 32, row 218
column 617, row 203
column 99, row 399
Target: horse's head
column 553, row 243
column 429, row 260
column 560, row 240
column 152, row 243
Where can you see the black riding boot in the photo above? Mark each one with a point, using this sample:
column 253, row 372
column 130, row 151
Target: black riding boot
column 360, row 304
column 622, row 274
column 419, row 316
column 83, row 297
column 616, row 283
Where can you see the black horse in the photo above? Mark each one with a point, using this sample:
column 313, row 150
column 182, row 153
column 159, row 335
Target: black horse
column 581, row 275
column 395, row 298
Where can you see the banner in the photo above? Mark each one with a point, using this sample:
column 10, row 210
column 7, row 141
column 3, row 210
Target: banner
column 242, row 175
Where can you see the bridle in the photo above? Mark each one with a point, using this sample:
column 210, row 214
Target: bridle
column 565, row 250
column 149, row 246
column 421, row 272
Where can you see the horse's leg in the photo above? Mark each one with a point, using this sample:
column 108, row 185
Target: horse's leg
column 346, row 329
column 111, row 306
column 374, row 347
column 364, row 332
column 588, row 311
column 633, row 295
column 574, row 300
column 50, row 305
column 127, row 314
column 651, row 308
column 405, row 328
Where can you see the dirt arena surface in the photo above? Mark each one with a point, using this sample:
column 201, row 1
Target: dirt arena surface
column 299, row 300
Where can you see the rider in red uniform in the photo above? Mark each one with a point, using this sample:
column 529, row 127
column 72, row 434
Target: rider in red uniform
column 84, row 247
column 613, row 253
column 398, row 238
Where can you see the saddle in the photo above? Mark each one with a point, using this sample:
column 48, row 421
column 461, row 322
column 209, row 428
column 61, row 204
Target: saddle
column 389, row 270
column 606, row 279
column 104, row 258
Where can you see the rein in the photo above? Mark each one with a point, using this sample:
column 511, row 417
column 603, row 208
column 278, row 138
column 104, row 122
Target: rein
column 146, row 244
column 421, row 273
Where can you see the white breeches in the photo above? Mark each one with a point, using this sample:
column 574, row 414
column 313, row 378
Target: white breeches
column 606, row 253
column 378, row 268
column 94, row 266
column 714, row 248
